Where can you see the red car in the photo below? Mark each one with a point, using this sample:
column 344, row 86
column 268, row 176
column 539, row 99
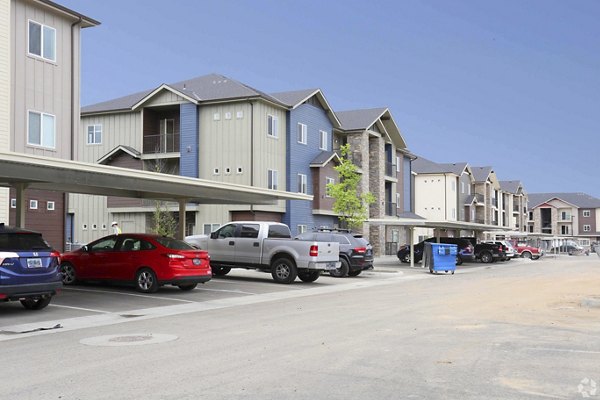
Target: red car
column 526, row 251
column 148, row 261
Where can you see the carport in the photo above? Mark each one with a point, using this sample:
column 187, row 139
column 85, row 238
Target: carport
column 23, row 171
column 437, row 226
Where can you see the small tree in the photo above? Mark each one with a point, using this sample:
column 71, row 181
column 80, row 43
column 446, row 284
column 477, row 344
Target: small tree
column 351, row 206
column 163, row 221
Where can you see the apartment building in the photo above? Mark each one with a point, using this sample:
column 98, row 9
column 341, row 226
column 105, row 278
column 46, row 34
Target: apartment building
column 486, row 189
column 210, row 127
column 381, row 155
column 310, row 159
column 39, row 106
column 514, row 206
column 564, row 214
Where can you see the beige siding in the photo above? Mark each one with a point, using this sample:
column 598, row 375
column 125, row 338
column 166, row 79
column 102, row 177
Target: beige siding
column 40, row 85
column 89, row 211
column 4, row 96
column 117, row 129
column 166, row 97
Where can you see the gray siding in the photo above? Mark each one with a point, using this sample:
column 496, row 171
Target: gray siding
column 5, row 98
column 40, row 85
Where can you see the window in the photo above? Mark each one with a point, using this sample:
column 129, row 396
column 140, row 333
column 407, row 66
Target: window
column 227, row 115
column 13, row 203
column 272, row 179
column 249, row 231
column 94, row 134
column 94, row 227
column 301, row 229
column 462, row 187
column 397, row 200
column 323, row 140
column 227, row 171
column 586, row 213
column 84, row 227
column 328, row 181
column 239, row 115
column 41, row 130
column 208, row 228
column 50, row 206
column 301, row 183
column 216, row 117
column 104, row 227
column 107, row 244
column 397, row 164
column 301, row 135
column 272, row 126
column 239, row 170
column 33, row 204
column 42, row 41
column 564, row 230
column 216, row 171
column 587, row 228
column 279, row 231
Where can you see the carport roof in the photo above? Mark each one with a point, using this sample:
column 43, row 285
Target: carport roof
column 426, row 223
column 54, row 174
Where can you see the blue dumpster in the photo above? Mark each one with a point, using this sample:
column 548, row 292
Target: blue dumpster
column 440, row 257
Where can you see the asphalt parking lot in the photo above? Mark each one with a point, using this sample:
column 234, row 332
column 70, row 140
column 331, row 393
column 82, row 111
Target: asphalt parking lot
column 94, row 304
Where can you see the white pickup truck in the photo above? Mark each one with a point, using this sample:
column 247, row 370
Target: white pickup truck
column 267, row 246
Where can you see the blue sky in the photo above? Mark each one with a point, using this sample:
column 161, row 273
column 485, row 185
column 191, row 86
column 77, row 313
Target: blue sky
column 511, row 84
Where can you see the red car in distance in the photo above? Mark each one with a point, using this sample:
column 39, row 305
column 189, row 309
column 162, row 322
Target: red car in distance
column 147, row 261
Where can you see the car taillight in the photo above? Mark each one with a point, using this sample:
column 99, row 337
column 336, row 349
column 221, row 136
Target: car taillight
column 314, row 250
column 175, row 256
column 360, row 250
column 57, row 255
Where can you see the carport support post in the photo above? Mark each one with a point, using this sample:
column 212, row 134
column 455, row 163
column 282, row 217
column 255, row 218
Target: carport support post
column 21, row 205
column 182, row 223
column 412, row 243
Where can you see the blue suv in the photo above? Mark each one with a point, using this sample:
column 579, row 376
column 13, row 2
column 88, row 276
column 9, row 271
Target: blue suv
column 29, row 268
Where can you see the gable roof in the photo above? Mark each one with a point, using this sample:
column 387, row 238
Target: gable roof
column 119, row 149
column 295, row 98
column 510, row 186
column 481, row 174
column 361, row 120
column 85, row 21
column 580, row 200
column 324, row 158
column 206, row 88
column 424, row 166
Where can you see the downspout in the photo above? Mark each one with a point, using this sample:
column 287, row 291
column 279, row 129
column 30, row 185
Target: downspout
column 446, row 197
column 73, row 86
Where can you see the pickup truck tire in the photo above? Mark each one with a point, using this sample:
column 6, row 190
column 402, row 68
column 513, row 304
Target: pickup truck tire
column 356, row 272
column 309, row 276
column 283, row 271
column 487, row 257
column 342, row 271
column 220, row 271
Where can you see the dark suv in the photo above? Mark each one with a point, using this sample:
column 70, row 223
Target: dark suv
column 28, row 268
column 465, row 249
column 356, row 253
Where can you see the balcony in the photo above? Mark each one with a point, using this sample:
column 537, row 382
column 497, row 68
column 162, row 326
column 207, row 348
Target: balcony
column 390, row 169
column 516, row 208
column 494, row 202
column 161, row 143
column 391, row 209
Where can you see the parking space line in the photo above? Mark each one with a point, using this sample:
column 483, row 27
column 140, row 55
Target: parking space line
column 226, row 291
column 130, row 294
column 80, row 308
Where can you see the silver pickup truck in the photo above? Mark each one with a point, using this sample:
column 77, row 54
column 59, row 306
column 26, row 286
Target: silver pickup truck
column 267, row 246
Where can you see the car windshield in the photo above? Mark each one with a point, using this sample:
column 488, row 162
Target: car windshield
column 174, row 243
column 22, row 241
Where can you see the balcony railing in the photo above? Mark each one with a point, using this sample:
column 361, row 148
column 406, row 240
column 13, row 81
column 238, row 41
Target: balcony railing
column 390, row 209
column 390, row 169
column 161, row 143
column 515, row 208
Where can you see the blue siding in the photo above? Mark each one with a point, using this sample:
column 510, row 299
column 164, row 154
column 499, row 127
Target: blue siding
column 298, row 160
column 189, row 140
column 407, row 185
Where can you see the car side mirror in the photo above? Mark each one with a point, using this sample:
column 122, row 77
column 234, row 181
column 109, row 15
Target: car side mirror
column 85, row 248
column 213, row 235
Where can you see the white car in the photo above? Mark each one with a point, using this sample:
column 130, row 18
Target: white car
column 509, row 249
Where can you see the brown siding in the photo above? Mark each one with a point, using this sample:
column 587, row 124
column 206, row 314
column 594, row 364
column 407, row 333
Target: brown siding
column 255, row 216
column 591, row 221
column 124, row 160
column 320, row 200
column 51, row 224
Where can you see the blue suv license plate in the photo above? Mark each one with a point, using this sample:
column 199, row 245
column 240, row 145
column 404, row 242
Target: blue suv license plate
column 34, row 263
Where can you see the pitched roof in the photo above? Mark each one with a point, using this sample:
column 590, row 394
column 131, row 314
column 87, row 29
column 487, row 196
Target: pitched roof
column 359, row 119
column 323, row 158
column 204, row 88
column 510, row 186
column 120, row 148
column 481, row 174
column 293, row 98
column 424, row 166
column 86, row 21
column 580, row 200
